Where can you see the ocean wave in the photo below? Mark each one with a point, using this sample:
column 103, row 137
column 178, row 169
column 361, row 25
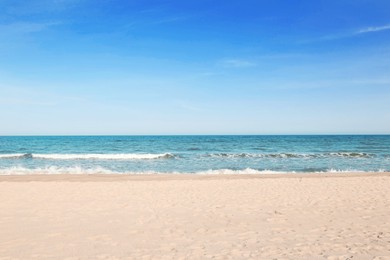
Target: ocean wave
column 292, row 155
column 55, row 170
column 352, row 154
column 350, row 171
column 88, row 156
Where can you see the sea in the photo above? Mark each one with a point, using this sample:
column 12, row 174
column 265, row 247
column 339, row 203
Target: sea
column 246, row 154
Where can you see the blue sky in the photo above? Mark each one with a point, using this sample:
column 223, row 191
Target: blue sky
column 194, row 67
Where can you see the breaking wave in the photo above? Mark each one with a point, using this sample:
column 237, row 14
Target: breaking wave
column 293, row 155
column 88, row 156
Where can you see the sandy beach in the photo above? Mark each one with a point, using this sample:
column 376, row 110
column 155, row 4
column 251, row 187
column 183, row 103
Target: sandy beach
column 301, row 216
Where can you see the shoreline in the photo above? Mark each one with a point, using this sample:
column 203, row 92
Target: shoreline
column 175, row 176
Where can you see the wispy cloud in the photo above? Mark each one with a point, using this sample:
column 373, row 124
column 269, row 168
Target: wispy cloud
column 373, row 29
column 237, row 63
column 364, row 30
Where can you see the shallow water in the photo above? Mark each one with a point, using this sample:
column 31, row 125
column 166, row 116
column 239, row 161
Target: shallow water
column 193, row 154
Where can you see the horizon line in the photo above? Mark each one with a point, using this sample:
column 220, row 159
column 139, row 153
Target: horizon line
column 157, row 135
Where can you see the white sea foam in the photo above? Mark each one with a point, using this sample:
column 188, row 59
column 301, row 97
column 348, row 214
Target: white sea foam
column 88, row 156
column 348, row 171
column 54, row 170
column 244, row 171
column 292, row 155
column 351, row 154
column 258, row 155
column 132, row 156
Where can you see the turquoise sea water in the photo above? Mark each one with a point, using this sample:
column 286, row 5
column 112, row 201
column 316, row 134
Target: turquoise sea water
column 193, row 154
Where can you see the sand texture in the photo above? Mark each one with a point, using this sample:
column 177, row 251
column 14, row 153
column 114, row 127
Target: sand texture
column 176, row 217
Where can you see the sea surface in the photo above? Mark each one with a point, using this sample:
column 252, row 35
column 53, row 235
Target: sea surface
column 193, row 154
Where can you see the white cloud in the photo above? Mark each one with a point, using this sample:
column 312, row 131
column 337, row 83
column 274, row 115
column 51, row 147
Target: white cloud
column 374, row 29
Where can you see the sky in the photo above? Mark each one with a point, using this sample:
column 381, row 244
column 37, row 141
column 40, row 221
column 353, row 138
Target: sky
column 107, row 67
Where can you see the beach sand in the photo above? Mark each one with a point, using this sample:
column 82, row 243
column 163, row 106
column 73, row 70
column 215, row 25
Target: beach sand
column 302, row 216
